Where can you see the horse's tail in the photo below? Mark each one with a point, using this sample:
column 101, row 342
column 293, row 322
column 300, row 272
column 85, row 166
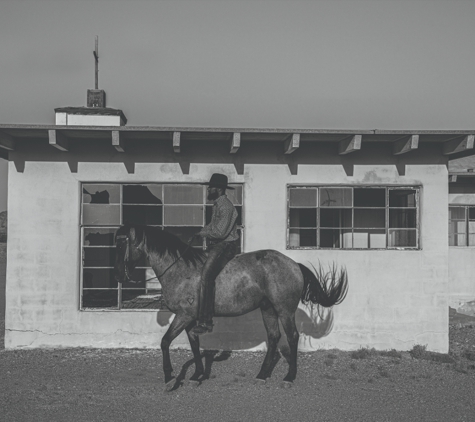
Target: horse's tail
column 324, row 288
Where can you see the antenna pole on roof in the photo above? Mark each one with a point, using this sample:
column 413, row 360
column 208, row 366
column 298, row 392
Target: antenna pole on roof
column 96, row 57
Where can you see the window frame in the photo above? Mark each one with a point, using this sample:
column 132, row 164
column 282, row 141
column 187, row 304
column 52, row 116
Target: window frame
column 387, row 208
column 466, row 208
column 82, row 228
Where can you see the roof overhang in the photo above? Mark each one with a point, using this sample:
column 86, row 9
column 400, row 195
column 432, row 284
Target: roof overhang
column 453, row 143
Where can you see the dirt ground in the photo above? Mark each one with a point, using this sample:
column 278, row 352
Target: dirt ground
column 127, row 384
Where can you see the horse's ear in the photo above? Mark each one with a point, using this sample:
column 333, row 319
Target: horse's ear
column 132, row 234
column 136, row 234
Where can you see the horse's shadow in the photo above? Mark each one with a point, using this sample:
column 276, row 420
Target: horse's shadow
column 312, row 323
column 247, row 331
column 210, row 356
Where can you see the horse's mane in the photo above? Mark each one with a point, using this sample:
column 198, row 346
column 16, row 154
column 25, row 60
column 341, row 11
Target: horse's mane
column 163, row 242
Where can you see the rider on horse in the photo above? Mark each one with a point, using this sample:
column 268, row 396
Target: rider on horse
column 222, row 238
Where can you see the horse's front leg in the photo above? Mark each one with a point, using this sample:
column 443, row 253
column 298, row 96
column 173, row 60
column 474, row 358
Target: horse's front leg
column 176, row 327
column 195, row 347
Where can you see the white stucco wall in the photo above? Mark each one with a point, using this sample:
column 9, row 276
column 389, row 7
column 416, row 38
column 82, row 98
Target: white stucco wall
column 396, row 298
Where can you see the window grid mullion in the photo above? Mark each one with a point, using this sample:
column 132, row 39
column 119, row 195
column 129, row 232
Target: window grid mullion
column 467, row 225
column 386, row 218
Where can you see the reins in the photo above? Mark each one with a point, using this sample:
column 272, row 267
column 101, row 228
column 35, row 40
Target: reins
column 126, row 258
column 184, row 252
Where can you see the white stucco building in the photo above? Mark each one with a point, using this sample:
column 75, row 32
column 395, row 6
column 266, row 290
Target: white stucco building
column 374, row 201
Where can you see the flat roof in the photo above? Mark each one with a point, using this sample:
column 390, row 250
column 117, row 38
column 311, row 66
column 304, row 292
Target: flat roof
column 271, row 134
column 456, row 143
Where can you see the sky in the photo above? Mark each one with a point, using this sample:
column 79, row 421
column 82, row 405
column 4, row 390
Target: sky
column 322, row 64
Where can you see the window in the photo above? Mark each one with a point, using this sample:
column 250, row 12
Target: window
column 341, row 217
column 462, row 225
column 181, row 209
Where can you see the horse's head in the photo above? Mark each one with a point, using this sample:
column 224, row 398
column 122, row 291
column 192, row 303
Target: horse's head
column 129, row 242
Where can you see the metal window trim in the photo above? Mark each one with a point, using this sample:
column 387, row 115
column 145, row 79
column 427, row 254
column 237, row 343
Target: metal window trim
column 387, row 188
column 121, row 203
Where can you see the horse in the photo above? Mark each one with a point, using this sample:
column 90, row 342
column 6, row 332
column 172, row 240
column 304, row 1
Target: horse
column 265, row 279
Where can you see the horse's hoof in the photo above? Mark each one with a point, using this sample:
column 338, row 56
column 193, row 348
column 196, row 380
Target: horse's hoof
column 193, row 383
column 170, row 384
column 260, row 381
column 286, row 384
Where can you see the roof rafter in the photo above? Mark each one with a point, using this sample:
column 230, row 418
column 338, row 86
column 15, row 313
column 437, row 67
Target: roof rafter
column 58, row 140
column 292, row 143
column 351, row 144
column 235, row 142
column 458, row 145
column 406, row 144
column 118, row 140
column 7, row 141
column 176, row 142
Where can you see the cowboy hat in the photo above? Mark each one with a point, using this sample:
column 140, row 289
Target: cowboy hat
column 218, row 181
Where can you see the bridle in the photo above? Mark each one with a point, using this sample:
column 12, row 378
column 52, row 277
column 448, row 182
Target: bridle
column 126, row 259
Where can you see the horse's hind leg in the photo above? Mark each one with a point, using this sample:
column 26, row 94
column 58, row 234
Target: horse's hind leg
column 176, row 327
column 271, row 323
column 288, row 322
column 195, row 347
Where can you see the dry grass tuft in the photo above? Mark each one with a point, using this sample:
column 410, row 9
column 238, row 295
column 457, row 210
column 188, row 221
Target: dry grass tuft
column 420, row 352
column 363, row 353
column 393, row 353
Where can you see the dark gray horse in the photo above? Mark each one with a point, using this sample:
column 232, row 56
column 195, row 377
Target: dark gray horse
column 264, row 279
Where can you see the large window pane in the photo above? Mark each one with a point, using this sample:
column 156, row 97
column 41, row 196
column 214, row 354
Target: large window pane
column 183, row 194
column 142, row 194
column 457, row 213
column 458, row 240
column 303, row 237
column 369, row 197
column 369, row 239
column 303, row 217
column 100, row 194
column 402, row 218
column 235, row 196
column 303, row 197
column 458, row 220
column 335, row 217
column 98, row 278
column 402, row 198
column 99, row 257
column 187, row 215
column 370, row 218
column 100, row 299
column 101, row 215
column 402, row 238
column 99, row 236
column 150, row 215
column 335, row 238
column 336, row 197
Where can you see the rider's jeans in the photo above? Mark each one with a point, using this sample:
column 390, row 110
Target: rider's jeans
column 219, row 255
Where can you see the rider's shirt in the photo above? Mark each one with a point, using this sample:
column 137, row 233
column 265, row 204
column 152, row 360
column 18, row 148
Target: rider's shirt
column 223, row 225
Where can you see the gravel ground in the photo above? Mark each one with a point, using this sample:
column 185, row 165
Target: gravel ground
column 127, row 384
